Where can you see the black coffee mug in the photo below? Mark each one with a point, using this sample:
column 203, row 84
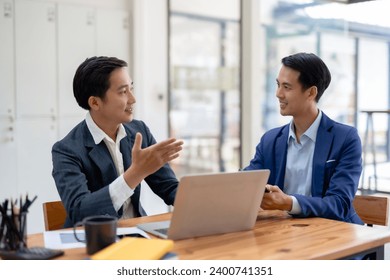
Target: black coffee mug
column 100, row 231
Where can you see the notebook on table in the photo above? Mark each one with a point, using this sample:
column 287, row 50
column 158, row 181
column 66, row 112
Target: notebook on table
column 133, row 248
column 208, row 204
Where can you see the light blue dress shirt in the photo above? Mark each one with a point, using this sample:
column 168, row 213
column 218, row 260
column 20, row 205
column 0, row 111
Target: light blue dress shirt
column 299, row 165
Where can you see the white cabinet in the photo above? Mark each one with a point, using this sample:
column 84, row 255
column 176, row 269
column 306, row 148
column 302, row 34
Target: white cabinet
column 65, row 124
column 8, row 178
column 8, row 184
column 36, row 103
column 7, row 91
column 35, row 45
column 113, row 34
column 35, row 137
column 76, row 42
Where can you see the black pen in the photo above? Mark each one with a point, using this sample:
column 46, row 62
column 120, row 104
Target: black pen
column 30, row 202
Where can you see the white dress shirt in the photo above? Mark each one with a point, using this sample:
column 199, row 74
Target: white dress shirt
column 120, row 192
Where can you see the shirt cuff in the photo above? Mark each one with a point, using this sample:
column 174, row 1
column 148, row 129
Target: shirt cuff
column 296, row 208
column 119, row 192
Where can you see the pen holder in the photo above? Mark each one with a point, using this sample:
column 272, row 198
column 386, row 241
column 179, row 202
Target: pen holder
column 13, row 231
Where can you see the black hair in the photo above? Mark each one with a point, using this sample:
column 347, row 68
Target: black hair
column 313, row 71
column 92, row 78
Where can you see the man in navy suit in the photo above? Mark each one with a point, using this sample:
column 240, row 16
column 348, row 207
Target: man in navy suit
column 315, row 162
column 99, row 165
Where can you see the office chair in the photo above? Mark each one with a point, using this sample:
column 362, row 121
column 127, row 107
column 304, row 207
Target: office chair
column 54, row 214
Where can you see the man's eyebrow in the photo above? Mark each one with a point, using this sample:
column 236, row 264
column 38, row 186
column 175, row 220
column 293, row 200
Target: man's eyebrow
column 125, row 86
column 284, row 83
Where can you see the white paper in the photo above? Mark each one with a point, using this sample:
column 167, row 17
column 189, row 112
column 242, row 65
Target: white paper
column 64, row 239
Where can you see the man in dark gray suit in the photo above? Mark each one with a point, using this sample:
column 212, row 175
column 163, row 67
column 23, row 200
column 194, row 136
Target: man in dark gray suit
column 99, row 165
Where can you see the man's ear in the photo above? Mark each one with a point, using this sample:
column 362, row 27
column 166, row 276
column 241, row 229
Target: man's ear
column 94, row 103
column 313, row 92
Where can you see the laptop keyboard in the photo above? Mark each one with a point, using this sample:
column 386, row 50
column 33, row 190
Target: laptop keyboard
column 162, row 230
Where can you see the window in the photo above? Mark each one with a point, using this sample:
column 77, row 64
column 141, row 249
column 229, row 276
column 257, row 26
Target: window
column 204, row 106
column 353, row 40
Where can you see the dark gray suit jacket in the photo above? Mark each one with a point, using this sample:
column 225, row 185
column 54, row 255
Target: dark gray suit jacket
column 83, row 170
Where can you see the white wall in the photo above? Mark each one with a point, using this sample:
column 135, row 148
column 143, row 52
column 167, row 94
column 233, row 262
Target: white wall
column 251, row 129
column 150, row 76
column 214, row 8
column 150, row 72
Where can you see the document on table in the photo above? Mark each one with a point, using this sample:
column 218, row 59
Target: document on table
column 65, row 239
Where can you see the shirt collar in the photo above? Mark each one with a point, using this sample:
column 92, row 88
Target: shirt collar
column 98, row 134
column 311, row 132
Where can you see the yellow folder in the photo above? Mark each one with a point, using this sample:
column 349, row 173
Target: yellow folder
column 132, row 248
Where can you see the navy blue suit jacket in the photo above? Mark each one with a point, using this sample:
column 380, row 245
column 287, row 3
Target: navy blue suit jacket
column 337, row 166
column 83, row 170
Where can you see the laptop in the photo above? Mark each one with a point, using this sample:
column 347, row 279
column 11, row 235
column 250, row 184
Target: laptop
column 208, row 204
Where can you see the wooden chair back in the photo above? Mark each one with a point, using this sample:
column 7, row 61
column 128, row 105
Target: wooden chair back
column 373, row 210
column 54, row 214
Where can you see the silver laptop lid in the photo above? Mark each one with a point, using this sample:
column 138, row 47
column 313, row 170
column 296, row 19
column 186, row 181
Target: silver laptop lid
column 207, row 204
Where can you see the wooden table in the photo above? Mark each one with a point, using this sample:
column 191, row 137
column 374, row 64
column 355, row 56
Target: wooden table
column 275, row 236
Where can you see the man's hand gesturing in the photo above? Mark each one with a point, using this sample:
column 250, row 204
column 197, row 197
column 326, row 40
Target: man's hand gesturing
column 148, row 160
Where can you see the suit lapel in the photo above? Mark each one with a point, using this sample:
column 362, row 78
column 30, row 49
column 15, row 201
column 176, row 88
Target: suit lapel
column 100, row 156
column 281, row 156
column 125, row 147
column 323, row 145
